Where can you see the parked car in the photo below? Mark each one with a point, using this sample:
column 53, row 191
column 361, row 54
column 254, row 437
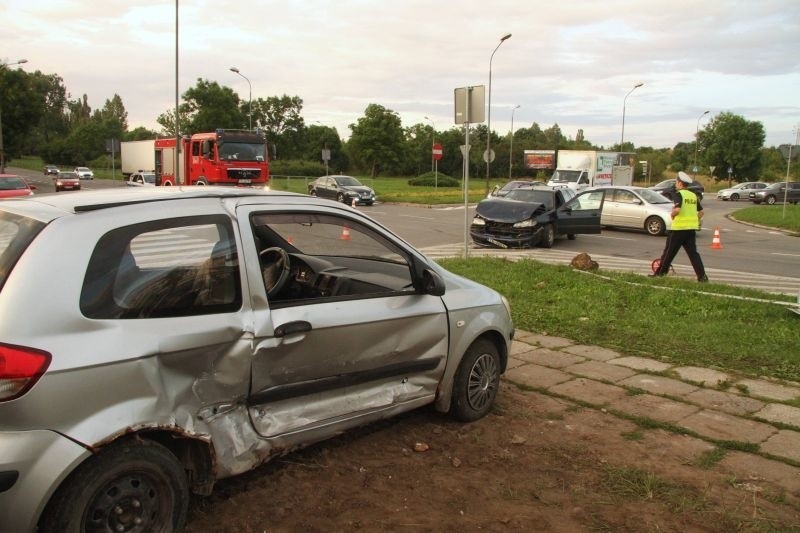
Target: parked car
column 84, row 173
column 67, row 181
column 51, row 170
column 741, row 190
column 511, row 185
column 637, row 208
column 776, row 192
column 202, row 331
column 12, row 186
column 667, row 188
column 141, row 179
column 343, row 189
column 527, row 217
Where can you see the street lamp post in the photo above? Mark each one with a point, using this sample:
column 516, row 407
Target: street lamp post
column 511, row 143
column 433, row 139
column 697, row 141
column 624, row 101
column 489, row 112
column 250, row 97
column 2, row 149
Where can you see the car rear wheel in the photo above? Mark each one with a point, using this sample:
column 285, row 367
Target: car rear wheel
column 476, row 382
column 734, row 197
column 655, row 226
column 313, row 192
column 340, row 197
column 548, row 236
column 133, row 486
column 770, row 200
column 571, row 236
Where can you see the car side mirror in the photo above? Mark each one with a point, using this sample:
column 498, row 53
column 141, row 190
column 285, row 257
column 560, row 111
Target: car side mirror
column 33, row 187
column 432, row 283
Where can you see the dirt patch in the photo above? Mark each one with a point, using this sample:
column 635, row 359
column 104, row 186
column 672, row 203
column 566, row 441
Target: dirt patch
column 535, row 463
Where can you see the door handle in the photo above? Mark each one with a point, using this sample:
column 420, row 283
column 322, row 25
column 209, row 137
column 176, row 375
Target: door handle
column 298, row 326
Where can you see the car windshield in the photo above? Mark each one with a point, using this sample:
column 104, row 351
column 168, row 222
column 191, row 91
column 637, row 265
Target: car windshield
column 570, row 176
column 653, row 197
column 149, row 178
column 347, row 181
column 82, row 169
column 10, row 184
column 532, row 196
column 68, row 176
column 239, row 151
column 664, row 184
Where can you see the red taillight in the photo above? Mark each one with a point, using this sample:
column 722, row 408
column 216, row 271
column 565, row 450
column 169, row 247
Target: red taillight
column 20, row 368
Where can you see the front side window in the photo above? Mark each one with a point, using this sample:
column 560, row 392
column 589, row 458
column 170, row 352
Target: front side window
column 586, row 201
column 307, row 257
column 167, row 268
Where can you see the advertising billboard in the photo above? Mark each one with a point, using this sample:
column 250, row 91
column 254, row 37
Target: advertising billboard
column 540, row 159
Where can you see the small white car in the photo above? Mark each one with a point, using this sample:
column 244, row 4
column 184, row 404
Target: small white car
column 141, row 179
column 84, row 173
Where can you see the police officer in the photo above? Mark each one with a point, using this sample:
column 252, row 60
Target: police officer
column 686, row 215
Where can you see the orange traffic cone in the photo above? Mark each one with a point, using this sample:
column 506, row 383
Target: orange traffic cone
column 289, row 239
column 715, row 242
column 353, row 205
column 345, row 233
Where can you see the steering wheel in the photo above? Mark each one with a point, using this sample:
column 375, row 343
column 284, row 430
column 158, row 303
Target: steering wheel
column 275, row 269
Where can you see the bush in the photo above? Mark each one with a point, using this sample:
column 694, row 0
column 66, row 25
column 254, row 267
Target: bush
column 429, row 179
column 296, row 167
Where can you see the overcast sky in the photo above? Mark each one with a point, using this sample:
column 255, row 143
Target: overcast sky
column 567, row 62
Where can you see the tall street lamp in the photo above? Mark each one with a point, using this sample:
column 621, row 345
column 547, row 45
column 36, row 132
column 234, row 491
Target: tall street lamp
column 2, row 150
column 697, row 140
column 433, row 138
column 511, row 144
column 489, row 112
column 624, row 101
column 250, row 98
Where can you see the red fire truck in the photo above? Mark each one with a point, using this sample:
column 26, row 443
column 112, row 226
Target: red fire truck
column 224, row 157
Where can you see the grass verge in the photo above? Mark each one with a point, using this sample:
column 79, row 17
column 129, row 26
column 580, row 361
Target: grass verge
column 628, row 313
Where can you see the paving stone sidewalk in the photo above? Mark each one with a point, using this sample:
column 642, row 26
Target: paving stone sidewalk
column 711, row 404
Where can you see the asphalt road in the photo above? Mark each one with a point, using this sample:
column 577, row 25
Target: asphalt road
column 745, row 248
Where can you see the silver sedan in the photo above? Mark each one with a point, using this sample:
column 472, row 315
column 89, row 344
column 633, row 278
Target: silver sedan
column 741, row 190
column 637, row 208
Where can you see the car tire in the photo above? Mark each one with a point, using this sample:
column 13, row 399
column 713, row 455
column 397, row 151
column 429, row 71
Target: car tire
column 771, row 200
column 548, row 236
column 340, row 197
column 313, row 192
column 476, row 382
column 571, row 236
column 134, row 485
column 655, row 226
column 734, row 197
column 201, row 182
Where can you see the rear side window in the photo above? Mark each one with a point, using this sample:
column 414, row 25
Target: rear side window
column 16, row 233
column 166, row 268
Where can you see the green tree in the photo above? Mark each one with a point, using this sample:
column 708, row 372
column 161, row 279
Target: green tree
column 730, row 141
column 376, row 141
column 139, row 134
column 209, row 106
column 22, row 108
column 167, row 122
column 280, row 117
column 317, row 138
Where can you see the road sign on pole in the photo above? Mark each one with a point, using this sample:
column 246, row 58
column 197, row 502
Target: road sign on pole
column 437, row 151
column 488, row 156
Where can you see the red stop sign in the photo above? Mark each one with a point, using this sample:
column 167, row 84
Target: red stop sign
column 437, row 151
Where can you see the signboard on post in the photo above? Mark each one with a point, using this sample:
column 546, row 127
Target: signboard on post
column 472, row 111
column 539, row 159
column 437, row 151
column 488, row 156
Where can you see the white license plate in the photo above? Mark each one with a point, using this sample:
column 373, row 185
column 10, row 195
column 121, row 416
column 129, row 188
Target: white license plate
column 245, row 181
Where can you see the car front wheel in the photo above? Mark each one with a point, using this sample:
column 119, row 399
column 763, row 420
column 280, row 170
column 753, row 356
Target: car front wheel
column 655, row 226
column 770, row 200
column 734, row 197
column 548, row 236
column 131, row 486
column 476, row 382
column 340, row 197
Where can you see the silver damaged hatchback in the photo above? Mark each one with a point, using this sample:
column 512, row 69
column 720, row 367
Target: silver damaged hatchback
column 156, row 340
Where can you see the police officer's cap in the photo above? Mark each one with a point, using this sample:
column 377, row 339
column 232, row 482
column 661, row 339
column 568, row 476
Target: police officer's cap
column 685, row 178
